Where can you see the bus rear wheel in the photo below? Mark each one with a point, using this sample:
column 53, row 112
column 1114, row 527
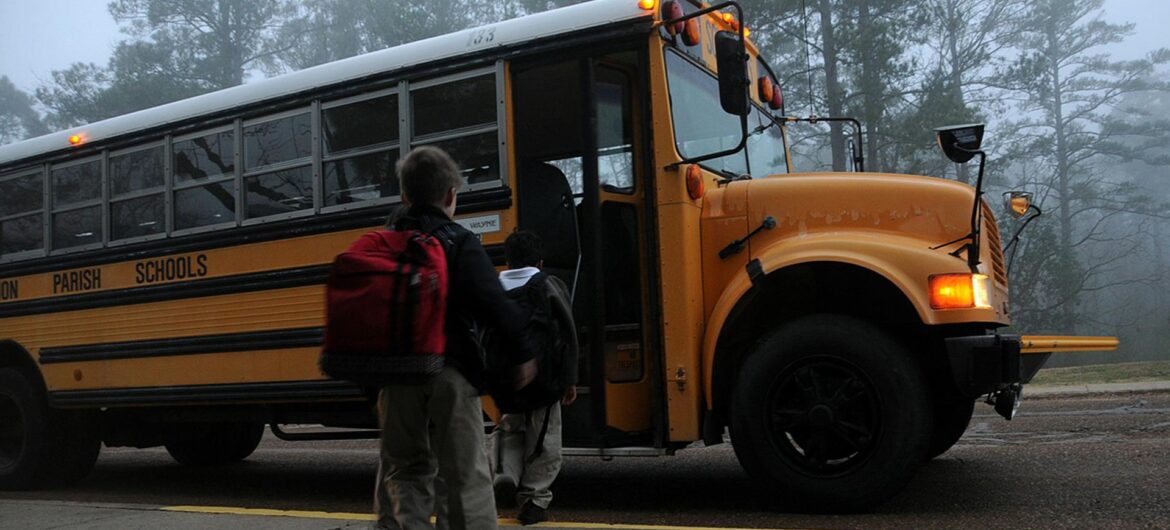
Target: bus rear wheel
column 216, row 443
column 41, row 446
column 831, row 414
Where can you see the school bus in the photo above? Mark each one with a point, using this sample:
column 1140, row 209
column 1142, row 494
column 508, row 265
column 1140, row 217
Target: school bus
column 161, row 272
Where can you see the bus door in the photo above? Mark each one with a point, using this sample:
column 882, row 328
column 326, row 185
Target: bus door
column 580, row 187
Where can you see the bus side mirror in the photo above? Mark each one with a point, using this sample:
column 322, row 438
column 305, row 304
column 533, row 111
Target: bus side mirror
column 731, row 60
column 1018, row 202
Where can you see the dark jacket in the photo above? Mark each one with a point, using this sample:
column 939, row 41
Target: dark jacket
column 474, row 295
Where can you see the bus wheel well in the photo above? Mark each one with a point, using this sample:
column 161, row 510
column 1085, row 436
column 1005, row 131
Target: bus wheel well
column 13, row 355
column 801, row 290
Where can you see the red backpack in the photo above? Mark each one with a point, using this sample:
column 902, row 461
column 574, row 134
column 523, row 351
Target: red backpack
column 385, row 308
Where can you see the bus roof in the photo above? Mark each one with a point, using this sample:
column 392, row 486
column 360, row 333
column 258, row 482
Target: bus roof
column 506, row 33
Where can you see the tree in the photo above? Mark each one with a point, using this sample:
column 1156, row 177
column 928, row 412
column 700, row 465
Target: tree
column 210, row 43
column 178, row 49
column 18, row 118
column 328, row 30
column 1071, row 134
column 964, row 42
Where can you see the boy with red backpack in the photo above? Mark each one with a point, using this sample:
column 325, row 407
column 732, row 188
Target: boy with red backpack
column 429, row 404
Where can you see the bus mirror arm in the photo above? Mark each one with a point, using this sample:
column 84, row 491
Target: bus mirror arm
column 858, row 157
column 1011, row 247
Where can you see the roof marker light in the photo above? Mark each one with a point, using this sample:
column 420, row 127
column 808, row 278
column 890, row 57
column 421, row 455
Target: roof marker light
column 75, row 139
column 647, row 4
column 777, row 101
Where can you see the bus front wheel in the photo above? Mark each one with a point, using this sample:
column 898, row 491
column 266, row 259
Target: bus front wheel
column 951, row 418
column 831, row 414
column 41, row 446
column 216, row 443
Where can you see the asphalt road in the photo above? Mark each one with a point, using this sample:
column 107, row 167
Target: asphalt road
column 1072, row 462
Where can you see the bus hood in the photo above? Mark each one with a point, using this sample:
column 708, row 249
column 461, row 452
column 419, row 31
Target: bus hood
column 934, row 210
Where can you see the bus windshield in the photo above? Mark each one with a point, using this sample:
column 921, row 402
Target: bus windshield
column 701, row 126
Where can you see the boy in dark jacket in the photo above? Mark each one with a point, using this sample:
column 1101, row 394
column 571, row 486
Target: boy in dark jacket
column 526, row 450
column 433, row 424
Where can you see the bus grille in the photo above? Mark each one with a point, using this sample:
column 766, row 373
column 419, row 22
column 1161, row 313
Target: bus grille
column 995, row 245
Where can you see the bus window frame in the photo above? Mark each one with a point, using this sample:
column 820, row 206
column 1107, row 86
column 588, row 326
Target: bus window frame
column 174, row 187
column 410, row 141
column 102, row 159
column 310, row 161
column 325, row 158
column 43, row 170
column 164, row 189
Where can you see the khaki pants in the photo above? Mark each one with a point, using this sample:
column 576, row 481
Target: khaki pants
column 513, row 454
column 430, row 429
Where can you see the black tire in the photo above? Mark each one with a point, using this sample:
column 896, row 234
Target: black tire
column 40, row 446
column 831, row 414
column 215, row 443
column 951, row 418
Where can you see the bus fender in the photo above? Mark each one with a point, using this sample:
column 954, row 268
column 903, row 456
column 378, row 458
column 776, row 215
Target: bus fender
column 904, row 264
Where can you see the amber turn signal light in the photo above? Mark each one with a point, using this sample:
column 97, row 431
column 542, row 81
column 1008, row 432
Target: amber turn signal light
column 959, row 291
column 695, row 186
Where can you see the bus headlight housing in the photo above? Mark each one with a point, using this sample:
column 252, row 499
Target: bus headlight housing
column 960, row 291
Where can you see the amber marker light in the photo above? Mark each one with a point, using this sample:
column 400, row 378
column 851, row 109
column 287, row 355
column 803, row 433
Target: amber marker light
column 695, row 186
column 730, row 20
column 76, row 139
column 960, row 291
column 764, row 88
column 691, row 35
column 647, row 4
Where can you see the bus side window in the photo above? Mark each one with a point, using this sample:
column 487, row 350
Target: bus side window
column 460, row 117
column 359, row 145
column 278, row 171
column 77, row 211
column 137, row 205
column 22, row 215
column 203, row 168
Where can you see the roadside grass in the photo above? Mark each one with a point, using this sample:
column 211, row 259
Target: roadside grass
column 1104, row 373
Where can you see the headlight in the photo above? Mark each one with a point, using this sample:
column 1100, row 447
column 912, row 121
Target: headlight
column 960, row 291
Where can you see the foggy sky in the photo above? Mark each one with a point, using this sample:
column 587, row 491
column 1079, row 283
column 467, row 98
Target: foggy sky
column 40, row 36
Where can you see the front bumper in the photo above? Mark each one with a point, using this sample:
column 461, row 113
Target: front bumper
column 984, row 364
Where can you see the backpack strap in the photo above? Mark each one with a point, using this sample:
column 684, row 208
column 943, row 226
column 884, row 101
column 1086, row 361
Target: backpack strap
column 543, row 432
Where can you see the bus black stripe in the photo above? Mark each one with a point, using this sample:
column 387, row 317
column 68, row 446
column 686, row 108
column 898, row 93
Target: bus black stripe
column 228, row 393
column 230, row 342
column 243, row 283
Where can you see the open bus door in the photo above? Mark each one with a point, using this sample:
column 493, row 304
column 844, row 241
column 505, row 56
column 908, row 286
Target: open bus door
column 581, row 188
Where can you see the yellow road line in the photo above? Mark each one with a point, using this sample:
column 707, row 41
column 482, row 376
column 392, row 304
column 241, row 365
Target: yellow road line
column 227, row 510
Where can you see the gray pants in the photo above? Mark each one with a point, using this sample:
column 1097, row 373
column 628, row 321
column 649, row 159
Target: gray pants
column 430, row 429
column 513, row 454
